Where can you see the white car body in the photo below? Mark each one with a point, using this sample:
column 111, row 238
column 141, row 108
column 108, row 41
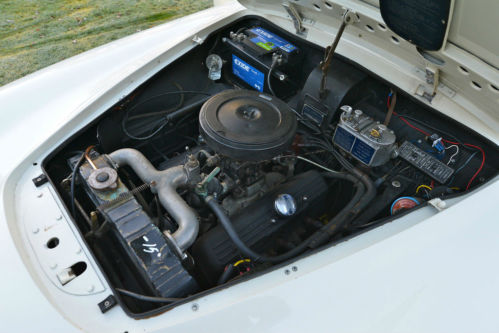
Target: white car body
column 433, row 270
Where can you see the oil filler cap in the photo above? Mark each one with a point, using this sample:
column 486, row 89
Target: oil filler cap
column 285, row 205
column 247, row 125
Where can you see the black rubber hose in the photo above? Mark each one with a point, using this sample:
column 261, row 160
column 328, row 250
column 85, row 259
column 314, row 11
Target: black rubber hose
column 370, row 190
column 141, row 297
column 231, row 232
column 341, row 219
column 314, row 240
column 73, row 181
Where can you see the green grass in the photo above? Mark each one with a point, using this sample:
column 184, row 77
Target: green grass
column 38, row 33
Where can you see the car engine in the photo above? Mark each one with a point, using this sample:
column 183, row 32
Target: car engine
column 246, row 153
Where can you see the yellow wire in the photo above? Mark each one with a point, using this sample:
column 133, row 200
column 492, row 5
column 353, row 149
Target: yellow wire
column 241, row 261
column 423, row 186
column 455, row 188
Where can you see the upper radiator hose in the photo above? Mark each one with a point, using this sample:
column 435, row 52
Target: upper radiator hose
column 165, row 183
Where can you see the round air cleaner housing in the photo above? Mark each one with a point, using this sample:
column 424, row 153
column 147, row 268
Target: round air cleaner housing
column 247, row 125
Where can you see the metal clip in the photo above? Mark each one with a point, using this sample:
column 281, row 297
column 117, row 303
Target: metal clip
column 438, row 204
column 198, row 40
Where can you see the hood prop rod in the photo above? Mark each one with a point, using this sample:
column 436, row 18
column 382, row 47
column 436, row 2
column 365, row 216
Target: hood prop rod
column 328, row 57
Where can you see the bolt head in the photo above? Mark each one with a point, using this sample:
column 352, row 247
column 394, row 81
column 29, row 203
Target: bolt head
column 396, row 184
column 102, row 177
column 195, row 307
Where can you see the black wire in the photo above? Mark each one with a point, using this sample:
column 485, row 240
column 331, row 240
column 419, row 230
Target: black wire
column 163, row 112
column 162, row 122
column 271, row 70
column 152, row 299
column 73, row 181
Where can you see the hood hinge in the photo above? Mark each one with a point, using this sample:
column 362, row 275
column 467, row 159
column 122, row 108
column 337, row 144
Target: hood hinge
column 297, row 19
column 432, row 77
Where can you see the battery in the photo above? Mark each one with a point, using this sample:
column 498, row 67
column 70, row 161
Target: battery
column 250, row 56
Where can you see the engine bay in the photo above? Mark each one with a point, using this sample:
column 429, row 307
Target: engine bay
column 251, row 150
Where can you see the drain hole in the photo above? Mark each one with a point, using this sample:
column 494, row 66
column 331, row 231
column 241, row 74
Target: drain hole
column 494, row 88
column 395, row 40
column 369, row 28
column 317, row 7
column 53, row 242
column 382, row 26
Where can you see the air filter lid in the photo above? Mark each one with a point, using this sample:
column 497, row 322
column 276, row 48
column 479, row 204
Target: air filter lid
column 247, row 125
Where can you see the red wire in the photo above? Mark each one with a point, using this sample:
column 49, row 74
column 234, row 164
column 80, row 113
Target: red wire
column 448, row 141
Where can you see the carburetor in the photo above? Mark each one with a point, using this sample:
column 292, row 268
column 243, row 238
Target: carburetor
column 363, row 138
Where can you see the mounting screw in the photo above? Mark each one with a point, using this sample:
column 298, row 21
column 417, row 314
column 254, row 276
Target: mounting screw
column 36, row 230
column 53, row 266
column 58, row 218
column 90, row 288
column 78, row 251
column 273, row 220
column 287, row 271
column 195, row 307
column 294, row 268
column 396, row 184
column 305, row 198
column 40, row 195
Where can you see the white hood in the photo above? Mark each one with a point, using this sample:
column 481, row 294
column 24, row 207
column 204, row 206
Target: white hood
column 473, row 26
column 465, row 65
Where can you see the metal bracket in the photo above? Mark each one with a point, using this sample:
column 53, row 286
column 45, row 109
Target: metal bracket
column 297, row 19
column 429, row 90
column 421, row 91
column 438, row 204
column 432, row 75
column 350, row 16
column 198, row 40
column 174, row 246
column 107, row 304
column 40, row 180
